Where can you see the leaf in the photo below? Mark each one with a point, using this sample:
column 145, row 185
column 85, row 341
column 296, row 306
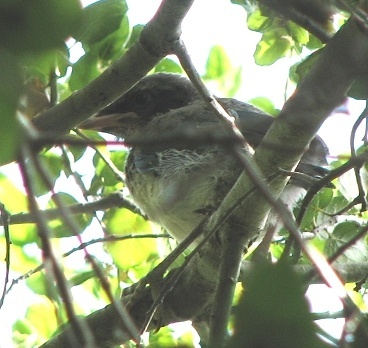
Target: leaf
column 40, row 64
column 273, row 311
column 10, row 88
column 220, row 70
column 234, row 81
column 84, row 71
column 272, row 47
column 218, row 63
column 21, row 262
column 130, row 252
column 60, row 229
column 300, row 70
column 77, row 151
column 15, row 201
column 105, row 172
column 359, row 89
column 23, row 234
column 82, row 277
column 168, row 65
column 134, row 35
column 52, row 165
column 37, row 283
column 42, row 317
column 113, row 45
column 325, row 197
column 314, row 43
column 342, row 234
column 258, row 22
column 100, row 19
column 35, row 25
column 298, row 34
column 309, row 218
column 264, row 104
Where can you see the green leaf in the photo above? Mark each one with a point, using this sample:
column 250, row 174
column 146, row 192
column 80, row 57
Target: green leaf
column 42, row 317
column 14, row 199
column 96, row 186
column 272, row 47
column 314, row 43
column 273, row 311
column 168, row 65
column 220, row 69
column 100, row 19
column 113, row 46
column 24, row 327
column 342, row 234
column 218, row 63
column 84, row 71
column 77, row 151
column 130, row 252
column 10, row 88
column 52, row 164
column 23, row 234
column 298, row 34
column 258, row 22
column 359, row 89
column 168, row 337
column 35, row 25
column 123, row 221
column 264, row 104
column 134, row 35
column 37, row 283
column 325, row 197
column 60, row 229
column 298, row 71
column 234, row 81
column 21, row 262
column 104, row 171
column 40, row 64
column 82, row 277
column 314, row 215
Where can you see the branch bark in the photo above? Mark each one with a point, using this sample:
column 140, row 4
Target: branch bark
column 153, row 45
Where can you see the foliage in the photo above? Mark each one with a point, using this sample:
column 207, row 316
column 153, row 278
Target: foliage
column 34, row 63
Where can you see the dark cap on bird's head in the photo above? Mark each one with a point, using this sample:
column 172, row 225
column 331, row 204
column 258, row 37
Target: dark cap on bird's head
column 153, row 95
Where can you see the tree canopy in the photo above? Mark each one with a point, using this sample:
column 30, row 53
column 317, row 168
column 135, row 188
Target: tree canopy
column 101, row 273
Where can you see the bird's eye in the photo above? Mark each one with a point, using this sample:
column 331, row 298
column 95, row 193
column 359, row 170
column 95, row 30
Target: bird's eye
column 142, row 99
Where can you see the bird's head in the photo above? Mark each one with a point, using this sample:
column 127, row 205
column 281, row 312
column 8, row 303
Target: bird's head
column 153, row 95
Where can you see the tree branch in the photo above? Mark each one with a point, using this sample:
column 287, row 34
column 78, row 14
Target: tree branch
column 153, row 45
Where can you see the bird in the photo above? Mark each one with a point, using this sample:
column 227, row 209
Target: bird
column 177, row 187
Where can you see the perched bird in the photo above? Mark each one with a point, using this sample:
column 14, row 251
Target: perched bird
column 177, row 187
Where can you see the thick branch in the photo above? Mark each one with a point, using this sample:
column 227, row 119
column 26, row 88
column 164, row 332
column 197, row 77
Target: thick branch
column 153, row 45
column 108, row 332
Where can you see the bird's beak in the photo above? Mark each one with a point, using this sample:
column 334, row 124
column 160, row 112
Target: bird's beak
column 112, row 123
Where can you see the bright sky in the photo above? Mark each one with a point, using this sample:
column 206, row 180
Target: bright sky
column 208, row 24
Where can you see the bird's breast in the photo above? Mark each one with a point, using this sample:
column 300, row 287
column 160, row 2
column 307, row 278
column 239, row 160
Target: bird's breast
column 178, row 188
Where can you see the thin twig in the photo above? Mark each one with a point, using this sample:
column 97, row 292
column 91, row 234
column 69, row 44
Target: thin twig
column 110, row 238
column 114, row 200
column 81, row 331
column 5, row 217
column 358, row 178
